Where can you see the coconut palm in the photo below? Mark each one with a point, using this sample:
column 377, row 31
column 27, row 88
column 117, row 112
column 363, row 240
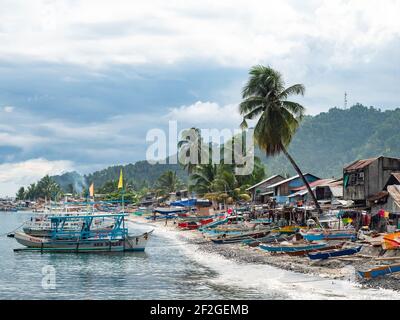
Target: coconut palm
column 168, row 182
column 265, row 96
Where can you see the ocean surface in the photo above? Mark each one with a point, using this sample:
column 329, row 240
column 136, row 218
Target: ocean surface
column 169, row 269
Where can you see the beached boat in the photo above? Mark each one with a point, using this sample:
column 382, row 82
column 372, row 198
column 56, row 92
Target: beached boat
column 379, row 271
column 307, row 251
column 287, row 230
column 275, row 238
column 224, row 239
column 334, row 253
column 328, row 234
column 286, row 247
column 391, row 241
column 85, row 240
column 192, row 225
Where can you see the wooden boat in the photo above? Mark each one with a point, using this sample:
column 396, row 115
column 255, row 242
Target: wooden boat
column 192, row 225
column 391, row 241
column 224, row 239
column 286, row 247
column 85, row 240
column 41, row 226
column 328, row 234
column 333, row 253
column 287, row 230
column 271, row 238
column 307, row 251
column 379, row 271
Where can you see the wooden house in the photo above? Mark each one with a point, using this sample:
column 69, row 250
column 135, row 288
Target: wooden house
column 260, row 192
column 365, row 178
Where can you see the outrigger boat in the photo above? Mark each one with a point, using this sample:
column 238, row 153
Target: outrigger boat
column 333, row 253
column 41, row 226
column 379, row 271
column 290, row 247
column 223, row 239
column 85, row 240
column 391, row 241
column 327, row 234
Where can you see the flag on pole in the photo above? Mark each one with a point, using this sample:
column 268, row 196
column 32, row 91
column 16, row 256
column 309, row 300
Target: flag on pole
column 91, row 190
column 121, row 181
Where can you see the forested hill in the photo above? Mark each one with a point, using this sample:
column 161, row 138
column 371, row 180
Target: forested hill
column 323, row 145
column 326, row 142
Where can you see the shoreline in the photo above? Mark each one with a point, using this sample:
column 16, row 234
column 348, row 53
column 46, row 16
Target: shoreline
column 331, row 269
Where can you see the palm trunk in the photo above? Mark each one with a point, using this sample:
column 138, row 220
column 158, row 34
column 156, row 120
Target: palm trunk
column 295, row 166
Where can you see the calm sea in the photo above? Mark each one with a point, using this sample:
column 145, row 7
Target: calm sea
column 168, row 269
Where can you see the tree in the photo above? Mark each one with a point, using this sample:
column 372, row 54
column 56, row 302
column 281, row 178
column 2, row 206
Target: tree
column 168, row 182
column 265, row 96
column 21, row 194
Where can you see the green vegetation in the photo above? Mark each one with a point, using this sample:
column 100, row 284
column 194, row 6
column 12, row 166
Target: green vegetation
column 325, row 143
column 45, row 188
column 265, row 98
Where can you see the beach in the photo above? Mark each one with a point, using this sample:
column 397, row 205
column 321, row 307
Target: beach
column 341, row 269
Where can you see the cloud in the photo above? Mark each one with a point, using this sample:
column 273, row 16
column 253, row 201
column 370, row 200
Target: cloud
column 206, row 115
column 242, row 33
column 15, row 175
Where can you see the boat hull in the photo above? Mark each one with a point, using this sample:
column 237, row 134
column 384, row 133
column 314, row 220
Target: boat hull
column 335, row 253
column 379, row 271
column 130, row 243
column 290, row 249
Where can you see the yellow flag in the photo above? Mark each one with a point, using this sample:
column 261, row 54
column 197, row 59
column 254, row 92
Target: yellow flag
column 121, row 181
column 91, row 190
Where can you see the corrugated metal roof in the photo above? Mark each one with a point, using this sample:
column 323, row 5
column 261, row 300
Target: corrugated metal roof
column 359, row 164
column 396, row 175
column 290, row 179
column 394, row 192
column 337, row 191
column 266, row 180
column 320, row 182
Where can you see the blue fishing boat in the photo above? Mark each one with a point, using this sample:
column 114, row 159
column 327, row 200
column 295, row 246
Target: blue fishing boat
column 316, row 235
column 379, row 271
column 289, row 247
column 85, row 240
column 334, row 253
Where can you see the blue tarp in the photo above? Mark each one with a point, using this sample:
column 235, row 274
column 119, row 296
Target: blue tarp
column 184, row 203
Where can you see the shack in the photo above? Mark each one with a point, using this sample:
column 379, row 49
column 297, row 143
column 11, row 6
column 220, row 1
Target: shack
column 282, row 189
column 261, row 191
column 365, row 178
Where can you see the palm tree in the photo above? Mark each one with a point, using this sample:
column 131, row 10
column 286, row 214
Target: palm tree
column 265, row 96
column 169, row 182
column 203, row 177
column 189, row 138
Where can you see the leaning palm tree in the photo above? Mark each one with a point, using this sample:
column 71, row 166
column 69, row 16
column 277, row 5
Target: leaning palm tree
column 265, row 96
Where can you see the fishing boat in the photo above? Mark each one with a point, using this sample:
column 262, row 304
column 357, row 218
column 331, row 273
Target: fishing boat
column 287, row 230
column 391, row 241
column 224, row 239
column 334, row 253
column 85, row 240
column 41, row 226
column 274, row 238
column 287, row 247
column 379, row 271
column 328, row 234
column 191, row 225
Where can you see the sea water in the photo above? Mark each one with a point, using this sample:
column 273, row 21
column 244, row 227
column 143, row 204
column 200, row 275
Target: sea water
column 168, row 269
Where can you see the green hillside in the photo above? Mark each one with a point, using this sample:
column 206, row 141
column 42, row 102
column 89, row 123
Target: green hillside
column 326, row 142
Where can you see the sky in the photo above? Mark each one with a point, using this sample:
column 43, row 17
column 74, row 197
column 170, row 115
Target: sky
column 82, row 82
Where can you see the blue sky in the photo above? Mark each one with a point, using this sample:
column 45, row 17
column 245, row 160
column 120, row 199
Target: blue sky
column 82, row 82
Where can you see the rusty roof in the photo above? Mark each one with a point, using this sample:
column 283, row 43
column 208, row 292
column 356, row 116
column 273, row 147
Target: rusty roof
column 359, row 164
column 377, row 196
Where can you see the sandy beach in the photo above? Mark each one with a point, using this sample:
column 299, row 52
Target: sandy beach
column 343, row 268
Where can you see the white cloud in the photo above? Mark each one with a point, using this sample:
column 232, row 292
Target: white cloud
column 242, row 32
column 15, row 175
column 207, row 115
column 8, row 109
